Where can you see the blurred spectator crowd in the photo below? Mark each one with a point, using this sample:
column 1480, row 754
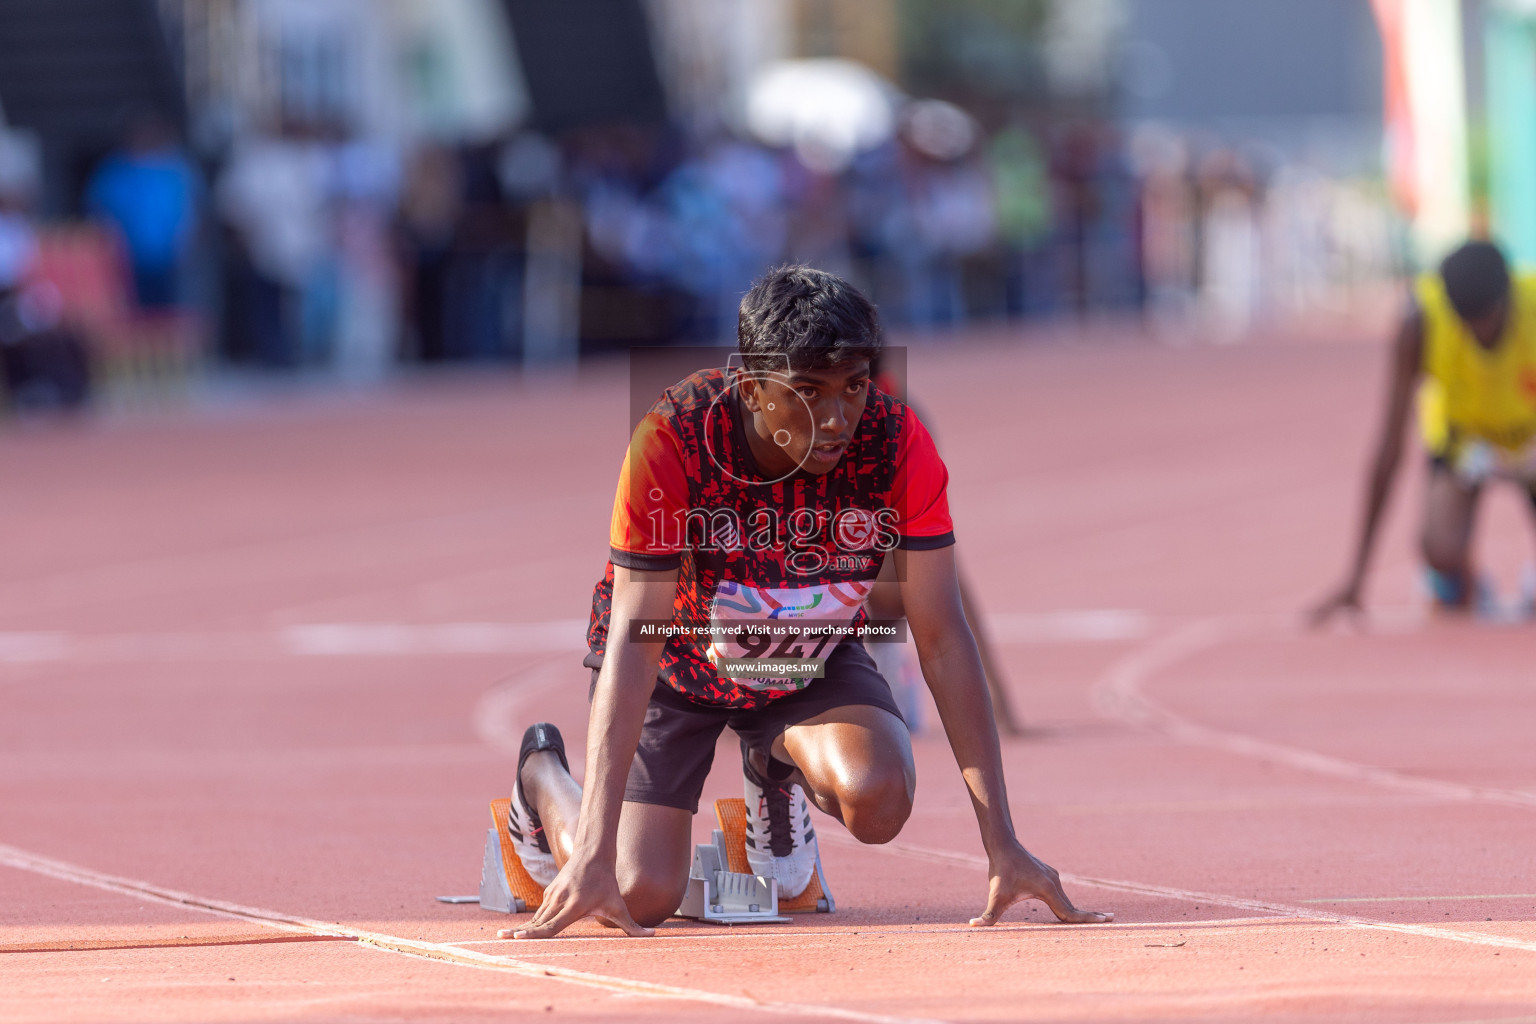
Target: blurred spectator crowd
column 307, row 249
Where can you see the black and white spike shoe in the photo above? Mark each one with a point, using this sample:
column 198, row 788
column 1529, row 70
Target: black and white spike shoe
column 523, row 822
column 781, row 843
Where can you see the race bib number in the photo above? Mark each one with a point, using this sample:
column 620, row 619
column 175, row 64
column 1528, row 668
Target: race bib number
column 757, row 616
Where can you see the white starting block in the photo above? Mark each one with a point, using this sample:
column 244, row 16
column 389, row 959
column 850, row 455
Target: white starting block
column 495, row 893
column 722, row 896
column 721, row 886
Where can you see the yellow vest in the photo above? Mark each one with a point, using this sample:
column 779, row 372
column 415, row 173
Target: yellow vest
column 1471, row 392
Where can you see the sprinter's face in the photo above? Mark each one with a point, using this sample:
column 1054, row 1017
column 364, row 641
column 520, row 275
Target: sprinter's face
column 1489, row 327
column 808, row 416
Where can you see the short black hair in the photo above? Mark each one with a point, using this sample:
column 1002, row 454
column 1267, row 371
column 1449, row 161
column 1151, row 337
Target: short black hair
column 814, row 318
column 1476, row 279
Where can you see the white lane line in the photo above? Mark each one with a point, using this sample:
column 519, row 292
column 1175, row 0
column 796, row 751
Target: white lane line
column 22, row 860
column 314, row 640
column 1195, row 896
column 21, row 648
column 1424, row 899
column 1119, row 694
column 10, row 856
column 823, row 934
column 405, row 639
column 382, row 638
column 111, row 648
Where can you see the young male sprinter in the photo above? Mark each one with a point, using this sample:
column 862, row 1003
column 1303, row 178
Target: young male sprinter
column 750, row 496
column 1468, row 343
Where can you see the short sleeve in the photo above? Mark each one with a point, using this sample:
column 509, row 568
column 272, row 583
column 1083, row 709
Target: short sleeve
column 921, row 490
column 646, row 531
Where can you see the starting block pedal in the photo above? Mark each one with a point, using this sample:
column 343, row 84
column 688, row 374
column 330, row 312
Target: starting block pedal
column 505, row 884
column 731, row 837
column 732, row 815
column 722, row 896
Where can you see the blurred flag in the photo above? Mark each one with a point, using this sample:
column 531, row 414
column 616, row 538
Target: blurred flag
column 1398, row 127
column 1426, row 118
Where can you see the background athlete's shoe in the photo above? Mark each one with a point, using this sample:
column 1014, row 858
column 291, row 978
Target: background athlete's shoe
column 1451, row 593
column 523, row 822
column 1525, row 606
column 781, row 843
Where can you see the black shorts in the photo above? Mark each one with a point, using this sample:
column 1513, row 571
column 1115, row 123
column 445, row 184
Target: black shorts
column 677, row 742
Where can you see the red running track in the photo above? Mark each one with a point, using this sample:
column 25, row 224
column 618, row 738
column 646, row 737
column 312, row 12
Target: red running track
column 261, row 671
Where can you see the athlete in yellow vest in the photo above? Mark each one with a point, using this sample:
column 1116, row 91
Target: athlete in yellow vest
column 1468, row 345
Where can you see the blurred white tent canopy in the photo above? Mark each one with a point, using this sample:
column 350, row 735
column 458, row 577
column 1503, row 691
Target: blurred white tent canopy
column 829, row 110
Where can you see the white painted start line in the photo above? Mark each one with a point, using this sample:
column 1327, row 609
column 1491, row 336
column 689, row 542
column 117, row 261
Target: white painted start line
column 1210, row 898
column 461, row 955
column 444, row 952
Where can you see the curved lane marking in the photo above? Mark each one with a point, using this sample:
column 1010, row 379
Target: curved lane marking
column 498, row 717
column 501, row 714
column 418, row 639
column 1120, row 694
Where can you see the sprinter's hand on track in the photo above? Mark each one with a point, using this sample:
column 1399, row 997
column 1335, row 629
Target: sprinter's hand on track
column 1018, row 875
column 1345, row 600
column 583, row 888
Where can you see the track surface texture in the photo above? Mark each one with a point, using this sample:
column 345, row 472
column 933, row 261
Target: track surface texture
column 262, row 668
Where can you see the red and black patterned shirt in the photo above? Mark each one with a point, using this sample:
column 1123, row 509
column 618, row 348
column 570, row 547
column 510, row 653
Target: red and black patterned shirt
column 749, row 548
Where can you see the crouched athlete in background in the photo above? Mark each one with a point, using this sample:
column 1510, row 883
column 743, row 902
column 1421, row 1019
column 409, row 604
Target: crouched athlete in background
column 1466, row 348
column 764, row 493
